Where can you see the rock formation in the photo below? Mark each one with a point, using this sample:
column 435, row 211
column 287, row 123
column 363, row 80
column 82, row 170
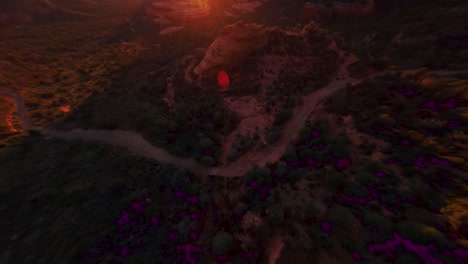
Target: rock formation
column 237, row 42
column 238, row 7
column 233, row 44
column 177, row 11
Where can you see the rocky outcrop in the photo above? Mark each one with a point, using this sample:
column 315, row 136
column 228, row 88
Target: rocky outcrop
column 233, row 44
column 236, row 42
column 313, row 10
column 244, row 6
column 177, row 11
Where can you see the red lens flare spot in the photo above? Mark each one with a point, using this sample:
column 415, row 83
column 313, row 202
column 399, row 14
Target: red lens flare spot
column 223, row 79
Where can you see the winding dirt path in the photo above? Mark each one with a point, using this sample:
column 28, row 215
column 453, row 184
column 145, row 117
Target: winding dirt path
column 135, row 143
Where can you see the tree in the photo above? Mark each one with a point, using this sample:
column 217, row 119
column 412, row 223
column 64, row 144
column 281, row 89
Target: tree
column 305, row 152
column 205, row 143
column 233, row 154
column 180, row 179
column 290, row 154
column 413, row 231
column 264, row 172
column 407, row 258
column 365, row 178
column 275, row 214
column 256, row 135
column 377, row 220
column 273, row 134
column 282, row 117
column 281, row 169
column 333, row 180
column 340, row 148
column 222, row 243
column 304, row 132
column 340, row 216
column 356, row 189
column 207, row 160
column 206, row 198
column 183, row 227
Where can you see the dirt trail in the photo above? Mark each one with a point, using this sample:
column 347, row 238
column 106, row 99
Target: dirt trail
column 291, row 129
column 275, row 248
column 136, row 144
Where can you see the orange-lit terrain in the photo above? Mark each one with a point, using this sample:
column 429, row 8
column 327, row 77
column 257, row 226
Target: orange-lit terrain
column 233, row 131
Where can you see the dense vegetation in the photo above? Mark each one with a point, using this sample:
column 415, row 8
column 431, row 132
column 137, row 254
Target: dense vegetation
column 337, row 194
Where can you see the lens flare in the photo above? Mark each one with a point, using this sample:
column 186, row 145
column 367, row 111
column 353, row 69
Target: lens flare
column 223, row 79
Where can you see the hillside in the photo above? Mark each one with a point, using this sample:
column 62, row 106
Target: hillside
column 341, row 137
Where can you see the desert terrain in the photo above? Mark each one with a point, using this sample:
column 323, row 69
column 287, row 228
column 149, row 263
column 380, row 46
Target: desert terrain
column 340, row 136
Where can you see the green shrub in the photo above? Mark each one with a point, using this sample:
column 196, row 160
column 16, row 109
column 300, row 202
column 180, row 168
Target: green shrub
column 275, row 214
column 304, row 132
column 374, row 166
column 234, row 154
column 365, row 178
column 407, row 258
column 414, row 231
column 340, row 147
column 356, row 189
column 273, row 134
column 291, row 102
column 206, row 198
column 290, row 154
column 207, row 161
column 282, row 117
column 377, row 220
column 222, row 243
column 205, row 143
column 431, row 199
column 183, row 227
column 340, row 217
column 333, row 180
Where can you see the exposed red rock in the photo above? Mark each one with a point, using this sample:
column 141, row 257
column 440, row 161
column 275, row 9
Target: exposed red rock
column 236, row 42
column 170, row 30
column 233, row 44
column 244, row 6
